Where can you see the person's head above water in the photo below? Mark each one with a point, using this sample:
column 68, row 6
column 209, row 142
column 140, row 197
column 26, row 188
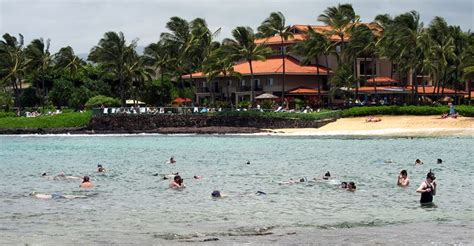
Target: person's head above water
column 44, row 174
column 216, row 194
column 430, row 176
column 86, row 179
column 404, row 173
column 351, row 186
column 178, row 179
column 328, row 174
column 440, row 161
column 344, row 185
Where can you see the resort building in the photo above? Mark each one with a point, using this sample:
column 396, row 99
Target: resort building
column 309, row 80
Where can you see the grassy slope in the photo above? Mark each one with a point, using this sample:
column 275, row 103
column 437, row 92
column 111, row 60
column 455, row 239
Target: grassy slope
column 53, row 121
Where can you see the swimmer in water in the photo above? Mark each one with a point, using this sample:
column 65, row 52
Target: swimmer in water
column 100, row 168
column 403, row 179
column 327, row 175
column 171, row 161
column 351, row 186
column 197, row 177
column 177, row 183
column 44, row 174
column 440, row 161
column 418, row 162
column 86, row 183
column 62, row 176
column 427, row 189
column 55, row 195
column 248, row 162
column 343, row 185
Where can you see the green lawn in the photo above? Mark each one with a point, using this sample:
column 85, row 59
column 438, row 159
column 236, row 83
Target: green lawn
column 53, row 121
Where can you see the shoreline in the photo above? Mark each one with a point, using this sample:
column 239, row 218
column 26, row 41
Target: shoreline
column 390, row 126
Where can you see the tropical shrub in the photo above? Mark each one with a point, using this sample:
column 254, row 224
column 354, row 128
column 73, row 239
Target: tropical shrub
column 100, row 100
column 405, row 110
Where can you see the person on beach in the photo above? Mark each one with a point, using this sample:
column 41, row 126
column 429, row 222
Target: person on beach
column 351, row 186
column 177, row 183
column 86, row 183
column 418, row 162
column 100, row 168
column 427, row 189
column 403, row 179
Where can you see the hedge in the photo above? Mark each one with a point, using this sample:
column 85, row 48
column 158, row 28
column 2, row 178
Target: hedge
column 7, row 114
column 284, row 115
column 48, row 121
column 405, row 110
column 100, row 100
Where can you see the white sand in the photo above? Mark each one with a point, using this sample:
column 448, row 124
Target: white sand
column 389, row 126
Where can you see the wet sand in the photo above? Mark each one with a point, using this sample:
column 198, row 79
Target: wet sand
column 391, row 126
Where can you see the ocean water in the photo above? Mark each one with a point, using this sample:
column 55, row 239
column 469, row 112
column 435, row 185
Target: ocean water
column 129, row 204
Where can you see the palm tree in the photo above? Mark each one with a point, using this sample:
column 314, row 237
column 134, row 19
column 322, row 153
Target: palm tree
column 275, row 25
column 66, row 59
column 314, row 45
column 137, row 72
column 341, row 20
column 13, row 64
column 40, row 62
column 243, row 47
column 114, row 54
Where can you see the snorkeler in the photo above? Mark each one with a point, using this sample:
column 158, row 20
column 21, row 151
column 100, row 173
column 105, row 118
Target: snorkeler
column 427, row 189
column 197, row 177
column 86, row 183
column 100, row 168
column 177, row 183
column 327, row 175
column 55, row 195
column 418, row 162
column 403, row 178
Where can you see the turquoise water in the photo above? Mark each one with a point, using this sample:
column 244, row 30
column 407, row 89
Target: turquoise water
column 129, row 204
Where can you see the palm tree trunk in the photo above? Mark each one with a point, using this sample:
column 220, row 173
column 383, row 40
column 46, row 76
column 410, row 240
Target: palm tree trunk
column 317, row 75
column 284, row 71
column 161, row 82
column 328, row 77
column 391, row 69
column 373, row 75
column 252, row 95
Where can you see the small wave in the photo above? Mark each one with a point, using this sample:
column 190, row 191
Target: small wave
column 241, row 231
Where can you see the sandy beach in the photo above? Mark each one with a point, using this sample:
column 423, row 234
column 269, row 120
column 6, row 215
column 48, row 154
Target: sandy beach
column 391, row 126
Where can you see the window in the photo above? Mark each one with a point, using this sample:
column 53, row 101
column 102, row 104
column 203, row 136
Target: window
column 270, row 81
column 256, row 83
column 243, row 82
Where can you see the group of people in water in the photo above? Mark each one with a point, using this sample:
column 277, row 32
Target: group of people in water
column 427, row 188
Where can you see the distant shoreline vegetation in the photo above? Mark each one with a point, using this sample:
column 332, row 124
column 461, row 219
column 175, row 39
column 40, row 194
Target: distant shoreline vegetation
column 32, row 76
column 78, row 119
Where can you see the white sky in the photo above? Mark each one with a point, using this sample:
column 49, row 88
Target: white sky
column 81, row 23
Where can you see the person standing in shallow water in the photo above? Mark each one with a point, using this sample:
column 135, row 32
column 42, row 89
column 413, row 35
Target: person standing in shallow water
column 427, row 189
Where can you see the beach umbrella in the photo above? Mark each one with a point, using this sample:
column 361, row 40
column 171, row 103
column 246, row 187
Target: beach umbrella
column 266, row 96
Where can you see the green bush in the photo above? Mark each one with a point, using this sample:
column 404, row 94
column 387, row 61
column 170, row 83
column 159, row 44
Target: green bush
column 51, row 121
column 405, row 110
column 100, row 100
column 244, row 104
column 7, row 114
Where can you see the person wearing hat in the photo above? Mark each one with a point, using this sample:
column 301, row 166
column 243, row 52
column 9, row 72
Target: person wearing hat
column 427, row 188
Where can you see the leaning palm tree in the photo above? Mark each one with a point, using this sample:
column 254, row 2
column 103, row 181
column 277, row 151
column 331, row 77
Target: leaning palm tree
column 40, row 63
column 243, row 47
column 114, row 54
column 314, row 45
column 137, row 73
column 13, row 64
column 341, row 20
column 275, row 25
column 67, row 60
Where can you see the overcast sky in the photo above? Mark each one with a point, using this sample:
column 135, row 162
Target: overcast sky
column 81, row 23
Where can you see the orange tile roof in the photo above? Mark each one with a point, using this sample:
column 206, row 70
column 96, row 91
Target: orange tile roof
column 273, row 65
column 381, row 80
column 407, row 89
column 304, row 91
column 276, row 39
